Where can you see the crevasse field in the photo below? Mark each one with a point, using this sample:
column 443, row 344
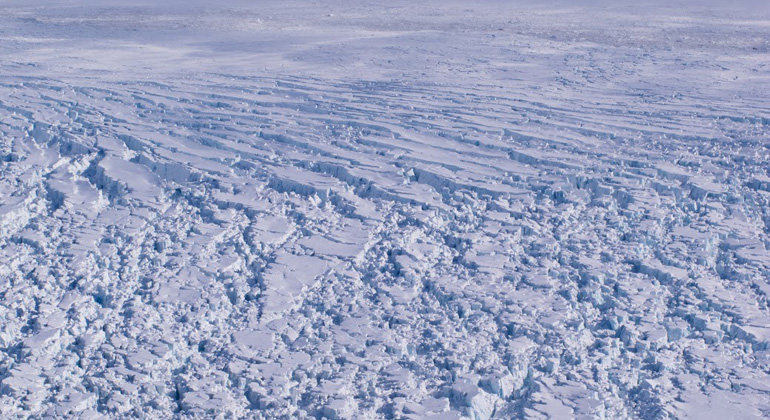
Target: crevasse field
column 384, row 210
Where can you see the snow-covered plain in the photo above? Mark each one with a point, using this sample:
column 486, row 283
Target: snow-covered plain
column 384, row 210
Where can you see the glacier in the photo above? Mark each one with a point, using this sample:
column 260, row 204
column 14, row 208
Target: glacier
column 384, row 210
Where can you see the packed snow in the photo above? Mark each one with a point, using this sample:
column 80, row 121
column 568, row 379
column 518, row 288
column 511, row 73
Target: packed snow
column 384, row 210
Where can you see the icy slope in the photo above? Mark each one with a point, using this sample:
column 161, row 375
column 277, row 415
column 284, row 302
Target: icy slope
column 407, row 212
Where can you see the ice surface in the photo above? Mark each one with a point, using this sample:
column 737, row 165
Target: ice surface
column 384, row 210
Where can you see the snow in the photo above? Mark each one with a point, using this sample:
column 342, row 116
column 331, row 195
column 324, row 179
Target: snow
column 384, row 210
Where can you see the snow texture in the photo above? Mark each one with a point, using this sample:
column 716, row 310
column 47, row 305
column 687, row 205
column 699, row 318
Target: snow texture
column 384, row 210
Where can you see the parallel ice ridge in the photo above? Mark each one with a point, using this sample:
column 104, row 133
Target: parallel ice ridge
column 308, row 247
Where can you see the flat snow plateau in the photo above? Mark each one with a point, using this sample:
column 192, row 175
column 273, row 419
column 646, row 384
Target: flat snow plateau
column 384, row 210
